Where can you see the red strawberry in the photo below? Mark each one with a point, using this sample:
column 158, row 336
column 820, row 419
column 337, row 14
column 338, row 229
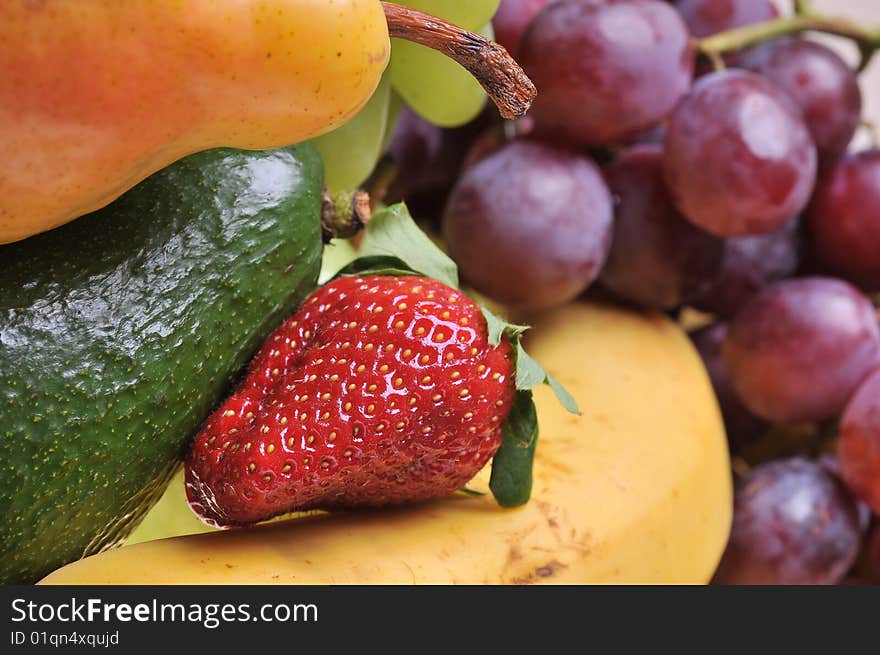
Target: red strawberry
column 379, row 390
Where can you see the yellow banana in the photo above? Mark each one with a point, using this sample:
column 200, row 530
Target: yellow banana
column 637, row 490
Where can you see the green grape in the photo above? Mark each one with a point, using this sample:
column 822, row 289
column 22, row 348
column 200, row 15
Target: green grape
column 395, row 107
column 469, row 14
column 350, row 152
column 436, row 88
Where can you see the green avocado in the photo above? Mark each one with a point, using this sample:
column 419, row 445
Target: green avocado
column 120, row 331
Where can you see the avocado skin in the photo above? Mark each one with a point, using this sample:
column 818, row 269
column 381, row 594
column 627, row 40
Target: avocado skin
column 120, row 331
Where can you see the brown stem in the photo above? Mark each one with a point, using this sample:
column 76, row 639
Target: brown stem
column 344, row 214
column 506, row 83
column 379, row 183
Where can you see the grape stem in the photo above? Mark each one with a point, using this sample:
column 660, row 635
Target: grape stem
column 803, row 6
column 805, row 20
column 506, row 83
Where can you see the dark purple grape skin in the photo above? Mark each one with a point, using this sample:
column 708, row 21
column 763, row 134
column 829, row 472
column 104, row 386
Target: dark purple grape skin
column 793, row 524
column 652, row 136
column 530, row 225
column 843, row 220
column 826, row 89
column 799, row 349
column 428, row 157
column 511, row 20
column 741, row 425
column 605, row 71
column 748, row 265
column 739, row 159
column 707, row 17
column 858, row 444
column 871, row 556
column 831, row 462
column 658, row 260
column 419, row 150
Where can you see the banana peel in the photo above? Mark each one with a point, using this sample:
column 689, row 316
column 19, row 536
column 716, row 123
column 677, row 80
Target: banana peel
column 636, row 490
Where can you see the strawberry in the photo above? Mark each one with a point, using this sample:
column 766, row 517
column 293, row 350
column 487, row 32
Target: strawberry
column 379, row 390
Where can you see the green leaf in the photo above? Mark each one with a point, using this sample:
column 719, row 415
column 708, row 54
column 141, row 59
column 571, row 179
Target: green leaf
column 337, row 253
column 498, row 327
column 530, row 374
column 562, row 395
column 467, row 491
column 511, row 479
column 392, row 232
column 377, row 265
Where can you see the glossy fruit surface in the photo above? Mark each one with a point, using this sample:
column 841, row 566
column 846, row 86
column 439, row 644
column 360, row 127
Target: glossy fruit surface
column 742, row 426
column 858, row 445
column 844, row 219
column 379, row 390
column 824, row 86
column 794, row 523
column 350, row 152
column 707, row 17
column 513, row 18
column 739, row 159
column 428, row 159
column 121, row 331
column 748, row 265
column 605, row 71
column 652, row 458
column 530, row 225
column 658, row 259
column 95, row 96
column 799, row 349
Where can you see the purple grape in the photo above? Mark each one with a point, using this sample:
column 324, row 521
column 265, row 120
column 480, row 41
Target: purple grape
column 858, row 446
column 831, row 462
column 748, row 265
column 512, row 19
column 872, row 556
column 658, row 259
column 707, row 17
column 741, row 425
column 428, row 159
column 739, row 159
column 605, row 71
column 652, row 136
column 798, row 350
column 793, row 523
column 820, row 82
column 844, row 220
column 530, row 225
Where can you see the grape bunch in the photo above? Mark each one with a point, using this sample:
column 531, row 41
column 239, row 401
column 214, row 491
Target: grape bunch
column 419, row 79
column 693, row 157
